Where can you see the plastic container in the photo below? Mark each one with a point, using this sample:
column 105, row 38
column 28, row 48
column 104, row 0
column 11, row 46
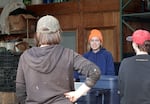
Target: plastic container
column 95, row 96
column 47, row 1
column 108, row 82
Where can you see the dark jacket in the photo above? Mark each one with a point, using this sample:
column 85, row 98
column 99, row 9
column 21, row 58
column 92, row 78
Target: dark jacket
column 45, row 73
column 103, row 59
column 134, row 80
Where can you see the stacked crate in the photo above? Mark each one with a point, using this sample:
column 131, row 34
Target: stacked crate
column 8, row 69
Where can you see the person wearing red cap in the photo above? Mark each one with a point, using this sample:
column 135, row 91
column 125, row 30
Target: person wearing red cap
column 98, row 54
column 134, row 72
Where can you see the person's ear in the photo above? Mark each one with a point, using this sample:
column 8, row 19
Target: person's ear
column 135, row 47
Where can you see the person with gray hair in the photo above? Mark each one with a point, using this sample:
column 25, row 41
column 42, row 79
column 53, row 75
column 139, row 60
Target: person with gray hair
column 134, row 72
column 45, row 72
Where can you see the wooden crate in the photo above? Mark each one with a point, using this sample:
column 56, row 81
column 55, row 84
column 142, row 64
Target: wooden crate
column 8, row 98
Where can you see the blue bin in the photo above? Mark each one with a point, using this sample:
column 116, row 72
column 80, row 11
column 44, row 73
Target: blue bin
column 108, row 82
column 95, row 96
column 48, row 1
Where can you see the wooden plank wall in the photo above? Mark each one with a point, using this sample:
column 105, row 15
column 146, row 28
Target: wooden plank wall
column 82, row 16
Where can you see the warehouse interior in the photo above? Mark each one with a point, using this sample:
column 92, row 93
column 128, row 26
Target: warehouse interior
column 116, row 20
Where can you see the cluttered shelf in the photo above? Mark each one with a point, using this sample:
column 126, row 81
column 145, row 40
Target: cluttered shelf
column 17, row 27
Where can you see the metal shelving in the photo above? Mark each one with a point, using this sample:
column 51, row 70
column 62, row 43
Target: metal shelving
column 133, row 11
column 142, row 14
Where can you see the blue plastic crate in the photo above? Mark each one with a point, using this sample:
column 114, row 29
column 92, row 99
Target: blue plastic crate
column 108, row 82
column 105, row 81
column 95, row 96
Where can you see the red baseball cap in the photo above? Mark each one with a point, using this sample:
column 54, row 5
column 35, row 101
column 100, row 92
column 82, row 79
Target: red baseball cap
column 139, row 36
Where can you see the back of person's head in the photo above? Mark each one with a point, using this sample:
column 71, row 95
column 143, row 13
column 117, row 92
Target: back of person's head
column 48, row 30
column 95, row 33
column 141, row 38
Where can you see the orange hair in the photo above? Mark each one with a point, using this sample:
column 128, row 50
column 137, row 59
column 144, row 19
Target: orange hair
column 96, row 33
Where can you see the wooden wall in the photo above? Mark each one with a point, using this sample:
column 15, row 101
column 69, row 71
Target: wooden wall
column 82, row 16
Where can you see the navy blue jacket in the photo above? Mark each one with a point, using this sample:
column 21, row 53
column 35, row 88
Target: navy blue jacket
column 103, row 59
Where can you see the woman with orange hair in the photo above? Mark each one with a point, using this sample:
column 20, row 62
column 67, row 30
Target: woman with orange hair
column 98, row 54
